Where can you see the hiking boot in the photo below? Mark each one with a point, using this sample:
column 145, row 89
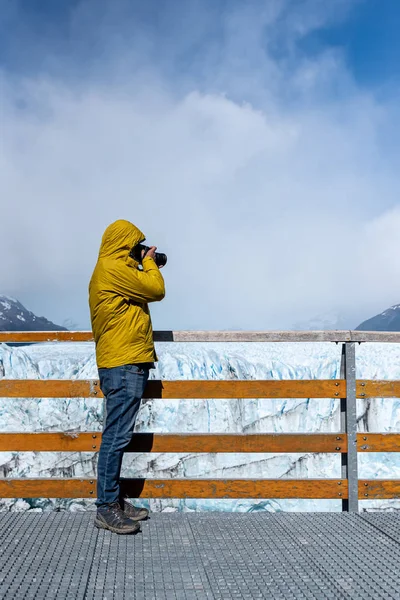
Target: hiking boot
column 112, row 517
column 135, row 513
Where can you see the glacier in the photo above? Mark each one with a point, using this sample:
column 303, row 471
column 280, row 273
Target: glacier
column 178, row 361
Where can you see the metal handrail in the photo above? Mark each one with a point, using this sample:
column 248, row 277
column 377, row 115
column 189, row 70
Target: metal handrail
column 337, row 336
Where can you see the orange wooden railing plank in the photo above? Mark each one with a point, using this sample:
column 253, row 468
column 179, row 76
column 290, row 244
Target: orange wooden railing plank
column 192, row 442
column 47, row 488
column 378, row 388
column 52, row 388
column 379, row 489
column 378, row 442
column 179, row 488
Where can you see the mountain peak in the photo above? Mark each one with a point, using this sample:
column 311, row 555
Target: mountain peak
column 15, row 317
column 329, row 320
column 388, row 320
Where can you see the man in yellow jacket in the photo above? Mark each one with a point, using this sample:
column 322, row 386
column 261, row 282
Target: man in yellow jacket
column 119, row 293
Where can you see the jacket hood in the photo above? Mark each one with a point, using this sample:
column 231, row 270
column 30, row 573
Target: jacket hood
column 119, row 238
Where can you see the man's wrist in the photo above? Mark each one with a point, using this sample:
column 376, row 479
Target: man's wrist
column 149, row 264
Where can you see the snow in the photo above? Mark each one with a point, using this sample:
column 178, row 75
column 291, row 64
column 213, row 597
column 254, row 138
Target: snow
column 202, row 361
column 20, row 317
column 5, row 304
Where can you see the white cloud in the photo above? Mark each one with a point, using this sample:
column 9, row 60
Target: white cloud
column 275, row 199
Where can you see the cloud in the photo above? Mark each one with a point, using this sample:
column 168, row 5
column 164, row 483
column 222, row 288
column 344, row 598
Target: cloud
column 270, row 181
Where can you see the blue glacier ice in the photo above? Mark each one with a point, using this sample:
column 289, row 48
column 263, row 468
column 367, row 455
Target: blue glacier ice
column 201, row 361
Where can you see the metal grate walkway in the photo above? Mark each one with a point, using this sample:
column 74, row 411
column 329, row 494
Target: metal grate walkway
column 202, row 556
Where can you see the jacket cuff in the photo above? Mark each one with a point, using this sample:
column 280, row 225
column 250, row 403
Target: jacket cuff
column 148, row 263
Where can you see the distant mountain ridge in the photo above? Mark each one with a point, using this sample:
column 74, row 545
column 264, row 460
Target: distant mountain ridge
column 388, row 320
column 327, row 321
column 15, row 317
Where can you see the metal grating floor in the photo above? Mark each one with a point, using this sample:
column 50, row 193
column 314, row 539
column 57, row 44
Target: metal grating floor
column 180, row 556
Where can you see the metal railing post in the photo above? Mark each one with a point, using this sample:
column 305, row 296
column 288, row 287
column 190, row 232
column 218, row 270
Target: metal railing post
column 348, row 424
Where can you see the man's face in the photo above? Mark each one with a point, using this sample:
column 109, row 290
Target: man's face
column 137, row 252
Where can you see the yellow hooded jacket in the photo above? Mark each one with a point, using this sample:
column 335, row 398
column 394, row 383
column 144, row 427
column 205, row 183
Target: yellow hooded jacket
column 118, row 297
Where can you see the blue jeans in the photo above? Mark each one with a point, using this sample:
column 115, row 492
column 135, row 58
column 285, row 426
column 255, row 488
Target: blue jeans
column 123, row 389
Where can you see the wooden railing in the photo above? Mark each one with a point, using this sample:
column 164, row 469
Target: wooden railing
column 348, row 443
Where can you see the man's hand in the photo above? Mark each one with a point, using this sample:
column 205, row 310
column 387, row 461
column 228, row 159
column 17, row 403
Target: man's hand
column 151, row 253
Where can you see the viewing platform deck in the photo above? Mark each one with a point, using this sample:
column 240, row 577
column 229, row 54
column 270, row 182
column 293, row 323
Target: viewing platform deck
column 177, row 556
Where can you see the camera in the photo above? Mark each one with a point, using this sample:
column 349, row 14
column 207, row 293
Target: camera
column 136, row 254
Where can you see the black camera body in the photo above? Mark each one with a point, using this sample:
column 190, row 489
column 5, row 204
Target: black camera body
column 136, row 254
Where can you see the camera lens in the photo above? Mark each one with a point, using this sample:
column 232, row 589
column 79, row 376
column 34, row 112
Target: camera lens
column 161, row 259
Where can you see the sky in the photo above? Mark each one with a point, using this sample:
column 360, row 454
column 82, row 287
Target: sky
column 256, row 143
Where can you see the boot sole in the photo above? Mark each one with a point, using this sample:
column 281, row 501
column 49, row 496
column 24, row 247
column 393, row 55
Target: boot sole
column 101, row 525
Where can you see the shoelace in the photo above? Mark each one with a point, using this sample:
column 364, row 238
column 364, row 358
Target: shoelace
column 116, row 510
column 131, row 507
